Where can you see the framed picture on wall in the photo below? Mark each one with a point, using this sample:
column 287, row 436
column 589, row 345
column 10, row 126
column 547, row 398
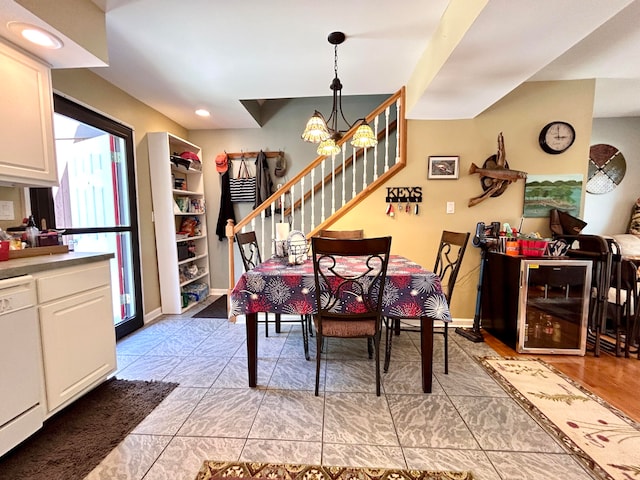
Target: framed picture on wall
column 443, row 168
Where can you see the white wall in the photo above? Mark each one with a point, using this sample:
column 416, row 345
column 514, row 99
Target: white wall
column 609, row 213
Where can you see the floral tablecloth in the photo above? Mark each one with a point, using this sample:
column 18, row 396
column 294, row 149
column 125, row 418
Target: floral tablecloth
column 276, row 287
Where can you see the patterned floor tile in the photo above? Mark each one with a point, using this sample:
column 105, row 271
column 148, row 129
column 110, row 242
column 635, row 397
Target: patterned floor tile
column 184, row 456
column 358, row 418
column 489, row 418
column 224, row 413
column 289, row 415
column 131, row 459
column 537, row 466
column 429, row 421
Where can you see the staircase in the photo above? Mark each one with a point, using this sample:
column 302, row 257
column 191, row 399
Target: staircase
column 330, row 186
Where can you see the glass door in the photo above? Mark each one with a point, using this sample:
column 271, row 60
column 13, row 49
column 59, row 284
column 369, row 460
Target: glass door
column 554, row 304
column 94, row 205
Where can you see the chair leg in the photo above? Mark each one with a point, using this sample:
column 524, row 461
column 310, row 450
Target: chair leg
column 278, row 323
column 377, row 347
column 446, row 348
column 370, row 347
column 389, row 337
column 305, row 336
column 266, row 324
column 396, row 326
column 309, row 324
column 318, row 348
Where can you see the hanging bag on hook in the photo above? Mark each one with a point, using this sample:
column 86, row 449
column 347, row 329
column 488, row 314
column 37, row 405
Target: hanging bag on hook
column 281, row 166
column 243, row 187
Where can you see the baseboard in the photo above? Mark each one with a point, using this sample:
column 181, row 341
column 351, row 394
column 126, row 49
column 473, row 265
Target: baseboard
column 152, row 315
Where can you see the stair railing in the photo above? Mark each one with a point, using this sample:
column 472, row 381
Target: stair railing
column 350, row 180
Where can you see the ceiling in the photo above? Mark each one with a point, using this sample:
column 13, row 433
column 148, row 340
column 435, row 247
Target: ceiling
column 177, row 56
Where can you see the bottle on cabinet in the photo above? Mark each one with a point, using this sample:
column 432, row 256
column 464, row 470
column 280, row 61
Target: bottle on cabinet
column 32, row 232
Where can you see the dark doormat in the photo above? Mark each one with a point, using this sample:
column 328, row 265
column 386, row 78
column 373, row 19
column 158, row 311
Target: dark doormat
column 75, row 440
column 218, row 309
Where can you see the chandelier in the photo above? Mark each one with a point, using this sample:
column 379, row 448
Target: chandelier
column 326, row 132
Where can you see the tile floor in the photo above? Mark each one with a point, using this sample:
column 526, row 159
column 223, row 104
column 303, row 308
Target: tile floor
column 467, row 423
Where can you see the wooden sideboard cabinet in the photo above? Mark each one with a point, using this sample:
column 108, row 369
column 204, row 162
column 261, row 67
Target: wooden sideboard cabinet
column 537, row 305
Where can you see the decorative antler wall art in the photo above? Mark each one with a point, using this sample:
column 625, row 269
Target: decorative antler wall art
column 495, row 174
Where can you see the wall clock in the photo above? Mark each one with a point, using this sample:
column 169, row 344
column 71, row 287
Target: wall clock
column 556, row 137
column 607, row 167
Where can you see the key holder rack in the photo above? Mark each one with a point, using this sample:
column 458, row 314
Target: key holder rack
column 404, row 195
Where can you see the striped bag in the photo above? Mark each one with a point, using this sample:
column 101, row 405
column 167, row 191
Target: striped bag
column 243, row 187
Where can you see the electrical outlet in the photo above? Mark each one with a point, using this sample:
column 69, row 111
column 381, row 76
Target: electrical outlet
column 451, row 207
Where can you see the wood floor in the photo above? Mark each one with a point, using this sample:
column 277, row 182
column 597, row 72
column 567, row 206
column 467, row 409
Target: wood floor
column 615, row 379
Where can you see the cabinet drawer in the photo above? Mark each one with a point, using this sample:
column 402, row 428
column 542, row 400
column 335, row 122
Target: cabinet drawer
column 69, row 281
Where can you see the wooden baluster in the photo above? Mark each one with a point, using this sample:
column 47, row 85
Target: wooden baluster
column 302, row 212
column 324, row 161
column 386, row 140
column 333, row 183
column 313, row 202
column 353, row 173
column 344, row 173
column 273, row 227
column 397, row 132
column 293, row 210
column 364, row 168
column 262, row 230
column 375, row 149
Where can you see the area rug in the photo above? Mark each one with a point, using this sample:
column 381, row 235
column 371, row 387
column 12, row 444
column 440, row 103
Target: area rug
column 280, row 471
column 602, row 437
column 217, row 309
column 75, row 440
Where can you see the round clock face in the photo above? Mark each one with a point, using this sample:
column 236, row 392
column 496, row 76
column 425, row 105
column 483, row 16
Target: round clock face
column 607, row 167
column 556, row 137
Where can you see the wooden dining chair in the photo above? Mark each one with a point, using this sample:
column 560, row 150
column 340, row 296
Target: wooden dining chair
column 349, row 279
column 344, row 234
column 250, row 253
column 624, row 292
column 447, row 266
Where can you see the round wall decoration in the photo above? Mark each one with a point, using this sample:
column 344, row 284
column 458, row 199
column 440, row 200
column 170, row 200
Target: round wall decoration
column 607, row 167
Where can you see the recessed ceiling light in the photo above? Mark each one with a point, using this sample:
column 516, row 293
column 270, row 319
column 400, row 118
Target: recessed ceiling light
column 201, row 112
column 35, row 35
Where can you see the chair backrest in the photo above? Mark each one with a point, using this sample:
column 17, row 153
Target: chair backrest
column 449, row 258
column 346, row 234
column 350, row 275
column 249, row 250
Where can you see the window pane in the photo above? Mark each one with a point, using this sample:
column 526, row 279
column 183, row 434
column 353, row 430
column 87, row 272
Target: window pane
column 92, row 173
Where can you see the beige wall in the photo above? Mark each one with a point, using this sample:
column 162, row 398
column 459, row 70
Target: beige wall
column 90, row 89
column 520, row 116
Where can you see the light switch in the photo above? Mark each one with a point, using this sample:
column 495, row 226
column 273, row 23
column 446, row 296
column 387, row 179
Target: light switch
column 451, row 207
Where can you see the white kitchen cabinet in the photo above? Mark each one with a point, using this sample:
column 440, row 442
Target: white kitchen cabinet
column 78, row 336
column 27, row 153
column 177, row 188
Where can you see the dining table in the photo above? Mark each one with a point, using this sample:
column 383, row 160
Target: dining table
column 276, row 286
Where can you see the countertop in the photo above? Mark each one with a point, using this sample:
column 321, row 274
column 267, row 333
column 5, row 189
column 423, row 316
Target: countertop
column 28, row 265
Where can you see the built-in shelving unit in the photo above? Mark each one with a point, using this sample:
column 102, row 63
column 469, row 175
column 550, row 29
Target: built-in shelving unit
column 177, row 189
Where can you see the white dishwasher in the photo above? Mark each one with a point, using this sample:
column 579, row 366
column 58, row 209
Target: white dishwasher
column 21, row 375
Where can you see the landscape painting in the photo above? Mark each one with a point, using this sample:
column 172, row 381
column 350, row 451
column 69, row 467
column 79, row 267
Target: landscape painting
column 545, row 192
